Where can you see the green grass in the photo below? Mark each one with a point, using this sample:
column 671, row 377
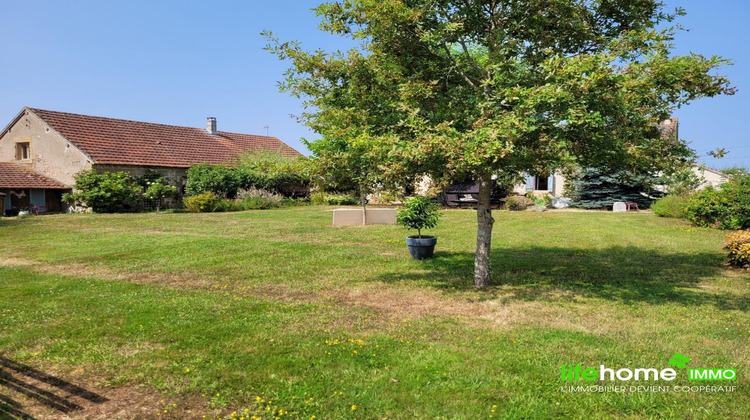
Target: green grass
column 278, row 310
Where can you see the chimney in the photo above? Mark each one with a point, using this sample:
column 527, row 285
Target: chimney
column 211, row 126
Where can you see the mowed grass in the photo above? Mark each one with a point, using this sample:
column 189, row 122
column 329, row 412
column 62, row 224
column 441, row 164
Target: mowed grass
column 279, row 314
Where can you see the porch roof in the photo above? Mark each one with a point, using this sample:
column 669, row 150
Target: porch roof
column 17, row 177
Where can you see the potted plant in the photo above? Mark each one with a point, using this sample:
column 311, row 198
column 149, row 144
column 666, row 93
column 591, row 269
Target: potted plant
column 419, row 213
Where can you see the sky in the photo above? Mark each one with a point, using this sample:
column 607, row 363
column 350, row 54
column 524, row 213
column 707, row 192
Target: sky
column 178, row 62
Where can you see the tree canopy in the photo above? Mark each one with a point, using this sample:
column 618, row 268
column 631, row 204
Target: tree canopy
column 458, row 89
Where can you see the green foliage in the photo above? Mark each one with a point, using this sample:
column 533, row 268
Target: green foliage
column 318, row 198
column 150, row 176
column 227, row 205
column 251, row 200
column 682, row 182
column 158, row 191
column 475, row 96
column 109, row 192
column 671, row 206
column 597, row 188
column 735, row 171
column 727, row 208
column 340, row 200
column 419, row 213
column 738, row 245
column 221, row 180
column 273, row 172
column 517, row 203
column 258, row 203
column 323, row 198
column 267, row 171
column 201, row 203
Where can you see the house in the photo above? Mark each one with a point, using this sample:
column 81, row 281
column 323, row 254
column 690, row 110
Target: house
column 41, row 151
column 22, row 188
column 554, row 183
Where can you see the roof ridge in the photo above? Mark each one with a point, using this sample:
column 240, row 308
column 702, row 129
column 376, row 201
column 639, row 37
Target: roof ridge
column 142, row 122
column 117, row 141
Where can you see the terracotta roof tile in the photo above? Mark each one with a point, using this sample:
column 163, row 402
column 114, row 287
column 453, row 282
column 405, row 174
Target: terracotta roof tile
column 123, row 142
column 15, row 176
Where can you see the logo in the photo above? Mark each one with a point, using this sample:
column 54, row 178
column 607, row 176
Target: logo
column 679, row 361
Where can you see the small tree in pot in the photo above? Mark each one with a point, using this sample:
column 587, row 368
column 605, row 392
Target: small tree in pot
column 420, row 213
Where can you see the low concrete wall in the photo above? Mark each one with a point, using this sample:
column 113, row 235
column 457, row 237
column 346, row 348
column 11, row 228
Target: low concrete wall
column 346, row 217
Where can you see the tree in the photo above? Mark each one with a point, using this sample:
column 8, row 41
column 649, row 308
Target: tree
column 597, row 189
column 459, row 89
column 158, row 191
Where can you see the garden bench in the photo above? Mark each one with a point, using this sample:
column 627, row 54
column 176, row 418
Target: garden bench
column 466, row 193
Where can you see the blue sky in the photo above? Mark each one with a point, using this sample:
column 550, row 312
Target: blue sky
column 178, row 62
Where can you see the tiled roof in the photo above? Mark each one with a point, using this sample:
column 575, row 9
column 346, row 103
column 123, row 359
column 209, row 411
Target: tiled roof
column 123, row 142
column 15, row 176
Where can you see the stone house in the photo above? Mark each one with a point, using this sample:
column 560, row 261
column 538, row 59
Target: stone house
column 41, row 151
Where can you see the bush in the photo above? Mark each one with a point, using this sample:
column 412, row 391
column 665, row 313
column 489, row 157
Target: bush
column 227, row 205
column 259, row 203
column 671, row 206
column 727, row 208
column 517, row 202
column 341, row 200
column 158, row 191
column 267, row 171
column 109, row 192
column 419, row 213
column 224, row 182
column 201, row 203
column 738, row 245
column 254, row 192
column 318, row 198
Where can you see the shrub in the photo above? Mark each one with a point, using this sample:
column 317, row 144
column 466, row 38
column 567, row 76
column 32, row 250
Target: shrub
column 205, row 202
column 259, row 203
column 727, row 208
column 158, row 191
column 109, row 192
column 419, row 213
column 318, row 198
column 738, row 245
column 267, row 171
column 671, row 206
column 341, row 200
column 517, row 202
column 254, row 192
column 224, row 182
column 227, row 205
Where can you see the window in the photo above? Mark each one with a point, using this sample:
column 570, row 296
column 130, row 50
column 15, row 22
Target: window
column 541, row 183
column 23, row 151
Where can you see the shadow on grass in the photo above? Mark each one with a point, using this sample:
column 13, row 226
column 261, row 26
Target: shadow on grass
column 38, row 386
column 626, row 274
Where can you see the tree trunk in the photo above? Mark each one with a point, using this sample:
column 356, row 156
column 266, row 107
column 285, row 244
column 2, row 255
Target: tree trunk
column 364, row 206
column 484, row 232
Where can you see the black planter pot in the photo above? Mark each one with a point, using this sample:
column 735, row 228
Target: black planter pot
column 421, row 248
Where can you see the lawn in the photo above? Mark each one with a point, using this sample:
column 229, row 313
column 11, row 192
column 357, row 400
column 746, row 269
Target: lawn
column 278, row 314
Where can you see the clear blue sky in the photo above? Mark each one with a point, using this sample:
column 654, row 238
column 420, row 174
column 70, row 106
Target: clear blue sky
column 178, row 62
